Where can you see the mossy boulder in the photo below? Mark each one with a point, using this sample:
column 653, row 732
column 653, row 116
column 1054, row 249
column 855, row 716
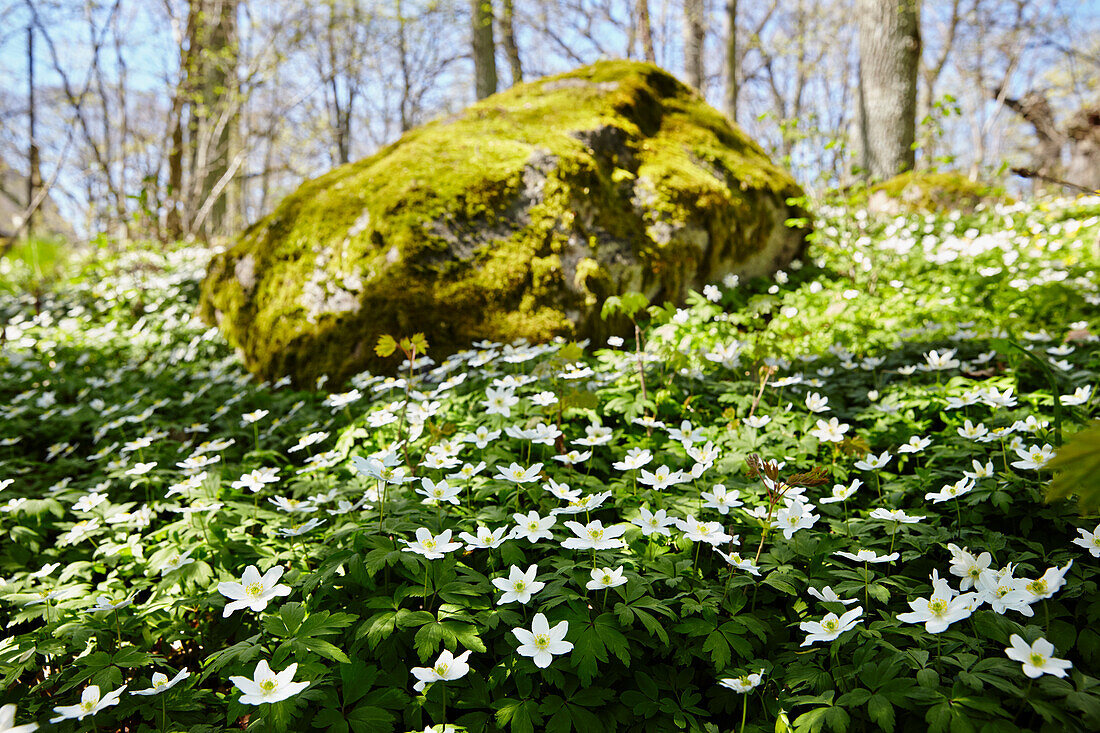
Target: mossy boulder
column 513, row 219
column 927, row 191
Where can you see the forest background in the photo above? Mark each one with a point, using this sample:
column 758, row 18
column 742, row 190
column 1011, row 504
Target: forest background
column 172, row 119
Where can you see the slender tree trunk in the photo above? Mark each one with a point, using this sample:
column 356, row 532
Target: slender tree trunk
column 694, row 37
column 485, row 64
column 341, row 114
column 645, row 31
column 218, row 93
column 406, row 72
column 34, row 169
column 508, row 39
column 211, row 85
column 731, row 61
column 173, row 223
column 889, row 49
column 181, row 118
column 926, row 94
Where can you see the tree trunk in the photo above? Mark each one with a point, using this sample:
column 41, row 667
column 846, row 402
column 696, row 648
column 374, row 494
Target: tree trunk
column 341, row 114
column 926, row 94
column 1034, row 107
column 34, row 170
column 485, row 64
column 1083, row 131
column 694, row 37
column 731, row 60
column 645, row 31
column 174, row 199
column 508, row 39
column 211, row 83
column 889, row 52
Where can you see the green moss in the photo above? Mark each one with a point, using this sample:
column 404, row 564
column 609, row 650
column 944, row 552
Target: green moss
column 924, row 191
column 507, row 220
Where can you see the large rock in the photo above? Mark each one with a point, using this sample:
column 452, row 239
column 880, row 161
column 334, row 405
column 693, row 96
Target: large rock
column 929, row 191
column 514, row 218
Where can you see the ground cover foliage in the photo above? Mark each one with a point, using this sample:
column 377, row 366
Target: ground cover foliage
column 740, row 541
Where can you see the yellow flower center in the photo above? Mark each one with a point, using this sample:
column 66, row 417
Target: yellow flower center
column 830, row 625
column 1037, row 659
column 254, row 589
column 938, row 606
column 269, row 685
column 541, row 641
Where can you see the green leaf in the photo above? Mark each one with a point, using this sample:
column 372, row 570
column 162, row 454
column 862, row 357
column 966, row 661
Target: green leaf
column 811, row 721
column 285, row 623
column 1076, row 467
column 928, row 678
column 379, row 627
column 357, row 678
column 781, row 582
column 332, row 720
column 607, row 627
column 323, row 623
column 520, row 715
column 427, row 640
column 242, row 651
column 368, row 719
column 855, row 698
column 628, row 304
column 719, row 649
column 652, row 625
column 131, row 656
column 838, row 719
column 324, row 649
column 939, row 717
column 386, row 345
column 882, row 712
column 587, row 651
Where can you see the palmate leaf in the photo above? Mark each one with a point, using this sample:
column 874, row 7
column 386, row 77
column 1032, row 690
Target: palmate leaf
column 1076, row 468
column 386, row 345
